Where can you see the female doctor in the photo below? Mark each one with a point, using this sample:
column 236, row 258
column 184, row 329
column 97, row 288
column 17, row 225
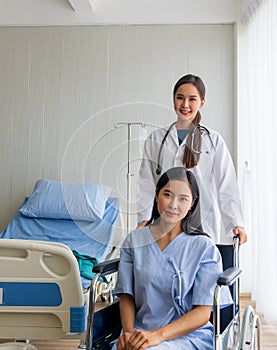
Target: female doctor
column 199, row 149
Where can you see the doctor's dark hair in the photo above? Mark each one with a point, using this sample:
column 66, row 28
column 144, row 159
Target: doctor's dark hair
column 191, row 223
column 191, row 158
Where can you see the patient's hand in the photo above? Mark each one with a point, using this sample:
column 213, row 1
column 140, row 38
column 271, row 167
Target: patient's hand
column 123, row 341
column 141, row 340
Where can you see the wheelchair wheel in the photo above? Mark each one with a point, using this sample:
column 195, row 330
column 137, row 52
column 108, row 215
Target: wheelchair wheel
column 250, row 330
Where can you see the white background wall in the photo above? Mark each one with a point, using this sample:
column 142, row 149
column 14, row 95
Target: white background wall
column 63, row 89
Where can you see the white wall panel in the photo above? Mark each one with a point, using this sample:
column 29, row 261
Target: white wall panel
column 63, row 89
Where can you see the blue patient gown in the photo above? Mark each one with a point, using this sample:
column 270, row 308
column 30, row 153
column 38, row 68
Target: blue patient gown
column 167, row 283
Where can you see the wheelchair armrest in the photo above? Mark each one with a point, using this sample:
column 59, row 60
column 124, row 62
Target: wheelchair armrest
column 106, row 267
column 229, row 276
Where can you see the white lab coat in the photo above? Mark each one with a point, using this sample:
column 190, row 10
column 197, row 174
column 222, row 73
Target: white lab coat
column 215, row 175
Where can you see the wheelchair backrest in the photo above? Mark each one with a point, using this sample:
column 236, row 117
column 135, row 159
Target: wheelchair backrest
column 229, row 255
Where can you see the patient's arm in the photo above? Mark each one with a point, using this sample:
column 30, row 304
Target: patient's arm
column 127, row 315
column 186, row 324
column 127, row 312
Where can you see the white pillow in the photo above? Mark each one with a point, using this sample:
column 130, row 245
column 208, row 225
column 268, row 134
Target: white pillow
column 74, row 201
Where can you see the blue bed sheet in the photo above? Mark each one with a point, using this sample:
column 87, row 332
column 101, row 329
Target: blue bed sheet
column 94, row 239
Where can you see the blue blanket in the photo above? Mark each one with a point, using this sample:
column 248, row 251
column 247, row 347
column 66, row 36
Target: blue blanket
column 93, row 239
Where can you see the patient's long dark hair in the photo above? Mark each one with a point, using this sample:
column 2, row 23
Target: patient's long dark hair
column 191, row 223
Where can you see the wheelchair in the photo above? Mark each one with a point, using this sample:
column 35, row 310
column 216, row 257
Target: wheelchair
column 231, row 331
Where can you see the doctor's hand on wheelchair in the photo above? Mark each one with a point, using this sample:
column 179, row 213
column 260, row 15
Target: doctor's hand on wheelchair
column 239, row 232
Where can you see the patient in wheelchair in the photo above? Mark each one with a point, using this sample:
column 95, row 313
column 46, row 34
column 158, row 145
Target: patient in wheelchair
column 168, row 272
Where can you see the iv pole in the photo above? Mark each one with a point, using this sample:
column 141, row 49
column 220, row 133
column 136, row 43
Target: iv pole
column 129, row 175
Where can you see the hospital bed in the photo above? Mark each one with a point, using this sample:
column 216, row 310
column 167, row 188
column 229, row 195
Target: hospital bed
column 46, row 257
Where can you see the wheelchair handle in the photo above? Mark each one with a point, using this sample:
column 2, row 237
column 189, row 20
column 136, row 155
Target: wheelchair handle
column 106, row 267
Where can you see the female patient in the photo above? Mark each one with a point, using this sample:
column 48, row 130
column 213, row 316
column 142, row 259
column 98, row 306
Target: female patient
column 168, row 272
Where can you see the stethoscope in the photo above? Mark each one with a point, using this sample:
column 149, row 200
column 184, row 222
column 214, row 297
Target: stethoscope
column 199, row 127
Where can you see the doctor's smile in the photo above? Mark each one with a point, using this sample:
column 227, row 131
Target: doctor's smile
column 185, row 111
